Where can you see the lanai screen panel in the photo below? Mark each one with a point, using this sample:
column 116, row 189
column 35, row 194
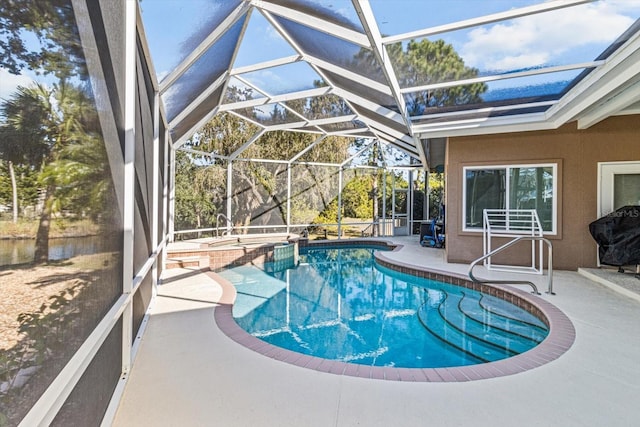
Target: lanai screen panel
column 263, row 43
column 201, row 192
column 238, row 91
column 259, row 196
column 320, row 107
column 511, row 91
column 191, row 120
column 340, row 12
column 278, row 145
column 359, row 195
column 314, row 194
column 203, row 73
column 269, row 114
column 335, row 50
column 180, row 27
column 55, row 292
column 362, row 90
column 293, row 77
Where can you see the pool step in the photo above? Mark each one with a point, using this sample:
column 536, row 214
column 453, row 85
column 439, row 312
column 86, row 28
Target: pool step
column 187, row 261
column 485, row 309
column 483, row 351
column 483, row 328
column 461, row 321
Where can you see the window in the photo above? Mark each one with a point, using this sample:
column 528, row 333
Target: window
column 510, row 187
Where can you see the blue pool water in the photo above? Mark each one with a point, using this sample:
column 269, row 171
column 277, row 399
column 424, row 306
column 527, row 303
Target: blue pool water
column 339, row 304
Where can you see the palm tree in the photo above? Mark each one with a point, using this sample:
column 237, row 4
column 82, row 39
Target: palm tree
column 44, row 128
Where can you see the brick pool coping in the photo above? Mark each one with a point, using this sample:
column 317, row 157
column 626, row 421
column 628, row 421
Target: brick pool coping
column 560, row 338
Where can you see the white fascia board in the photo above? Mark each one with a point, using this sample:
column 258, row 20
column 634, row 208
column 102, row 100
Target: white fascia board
column 611, row 106
column 484, row 126
column 204, row 46
column 482, row 110
column 487, row 19
column 315, row 23
column 266, row 64
column 620, row 68
column 503, row 76
column 357, row 78
column 199, row 100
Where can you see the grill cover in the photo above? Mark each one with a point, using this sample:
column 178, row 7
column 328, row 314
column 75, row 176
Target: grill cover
column 618, row 235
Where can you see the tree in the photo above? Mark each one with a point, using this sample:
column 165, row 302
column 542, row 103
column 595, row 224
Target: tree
column 55, row 131
column 199, row 191
column 22, row 137
column 421, row 63
column 427, row 62
column 52, row 22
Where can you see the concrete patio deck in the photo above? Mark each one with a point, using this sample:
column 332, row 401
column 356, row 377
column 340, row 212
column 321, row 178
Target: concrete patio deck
column 188, row 373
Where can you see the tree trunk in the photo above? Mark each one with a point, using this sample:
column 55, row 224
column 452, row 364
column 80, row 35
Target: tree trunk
column 42, row 236
column 14, row 190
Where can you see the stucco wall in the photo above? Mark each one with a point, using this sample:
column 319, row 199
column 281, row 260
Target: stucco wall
column 577, row 153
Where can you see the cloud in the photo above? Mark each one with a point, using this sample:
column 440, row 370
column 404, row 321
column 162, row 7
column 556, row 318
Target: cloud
column 9, row 82
column 547, row 38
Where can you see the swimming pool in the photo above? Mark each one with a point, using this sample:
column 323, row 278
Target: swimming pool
column 339, row 304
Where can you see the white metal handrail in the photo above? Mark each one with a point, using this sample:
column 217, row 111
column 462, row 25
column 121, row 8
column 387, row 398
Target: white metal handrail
column 228, row 226
column 517, row 282
column 511, row 223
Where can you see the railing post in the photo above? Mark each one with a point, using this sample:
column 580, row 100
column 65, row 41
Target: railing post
column 515, row 282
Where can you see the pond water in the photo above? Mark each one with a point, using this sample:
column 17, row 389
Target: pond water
column 19, row 251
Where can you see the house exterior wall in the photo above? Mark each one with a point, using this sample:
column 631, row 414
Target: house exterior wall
column 577, row 153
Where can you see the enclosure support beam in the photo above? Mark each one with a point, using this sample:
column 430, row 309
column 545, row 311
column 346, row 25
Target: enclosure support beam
column 288, row 198
column 165, row 193
column 229, row 190
column 384, row 202
column 172, row 194
column 156, row 203
column 340, row 202
column 129, row 178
